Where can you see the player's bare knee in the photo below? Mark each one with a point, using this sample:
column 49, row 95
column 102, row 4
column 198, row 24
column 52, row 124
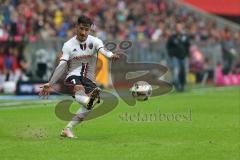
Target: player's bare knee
column 78, row 88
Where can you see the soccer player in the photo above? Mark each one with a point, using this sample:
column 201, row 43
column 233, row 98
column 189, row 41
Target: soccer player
column 79, row 57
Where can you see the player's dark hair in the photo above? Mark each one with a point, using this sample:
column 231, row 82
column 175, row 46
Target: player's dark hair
column 84, row 20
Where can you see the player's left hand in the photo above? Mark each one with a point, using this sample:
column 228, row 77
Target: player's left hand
column 44, row 93
column 115, row 57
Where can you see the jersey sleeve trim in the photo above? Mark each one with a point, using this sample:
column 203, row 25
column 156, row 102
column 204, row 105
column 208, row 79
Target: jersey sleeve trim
column 99, row 49
column 63, row 60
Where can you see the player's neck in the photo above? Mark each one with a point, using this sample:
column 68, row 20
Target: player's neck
column 80, row 41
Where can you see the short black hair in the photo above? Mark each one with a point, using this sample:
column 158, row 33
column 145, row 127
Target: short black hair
column 84, row 20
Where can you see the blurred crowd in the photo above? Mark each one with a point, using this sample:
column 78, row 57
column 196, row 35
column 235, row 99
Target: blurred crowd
column 136, row 20
column 114, row 19
column 13, row 63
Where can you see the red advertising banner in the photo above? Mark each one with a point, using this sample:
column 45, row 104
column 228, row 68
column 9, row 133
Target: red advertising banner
column 223, row 7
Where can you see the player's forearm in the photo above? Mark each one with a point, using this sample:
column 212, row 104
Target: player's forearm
column 106, row 53
column 58, row 73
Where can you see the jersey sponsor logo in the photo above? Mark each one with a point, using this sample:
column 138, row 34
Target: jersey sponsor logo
column 82, row 57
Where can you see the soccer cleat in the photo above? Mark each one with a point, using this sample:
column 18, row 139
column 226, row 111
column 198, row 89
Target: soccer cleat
column 94, row 96
column 67, row 133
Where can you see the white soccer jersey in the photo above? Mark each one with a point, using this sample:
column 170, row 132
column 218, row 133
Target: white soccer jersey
column 82, row 56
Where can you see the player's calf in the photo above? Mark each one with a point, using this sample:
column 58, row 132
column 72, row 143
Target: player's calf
column 87, row 100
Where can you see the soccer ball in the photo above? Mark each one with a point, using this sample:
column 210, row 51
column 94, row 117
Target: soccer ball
column 141, row 91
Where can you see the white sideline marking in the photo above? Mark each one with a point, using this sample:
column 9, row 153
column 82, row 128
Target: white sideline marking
column 7, row 106
column 25, row 107
column 212, row 89
column 48, row 103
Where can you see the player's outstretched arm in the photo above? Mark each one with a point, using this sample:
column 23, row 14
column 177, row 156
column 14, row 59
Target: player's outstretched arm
column 58, row 73
column 109, row 54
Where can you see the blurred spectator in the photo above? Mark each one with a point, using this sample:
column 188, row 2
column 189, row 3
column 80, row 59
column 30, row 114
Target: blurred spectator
column 42, row 65
column 196, row 63
column 229, row 51
column 208, row 72
column 23, row 65
column 13, row 64
column 10, row 65
column 178, row 46
column 2, row 68
column 236, row 66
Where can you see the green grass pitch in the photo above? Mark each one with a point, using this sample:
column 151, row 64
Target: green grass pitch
column 209, row 131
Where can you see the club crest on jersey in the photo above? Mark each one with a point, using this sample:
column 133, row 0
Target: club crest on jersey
column 90, row 46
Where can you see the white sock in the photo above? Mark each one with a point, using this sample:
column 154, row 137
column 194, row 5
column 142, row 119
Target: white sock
column 82, row 98
column 80, row 115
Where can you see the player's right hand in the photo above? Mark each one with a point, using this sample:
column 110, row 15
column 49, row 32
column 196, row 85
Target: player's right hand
column 115, row 57
column 45, row 91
